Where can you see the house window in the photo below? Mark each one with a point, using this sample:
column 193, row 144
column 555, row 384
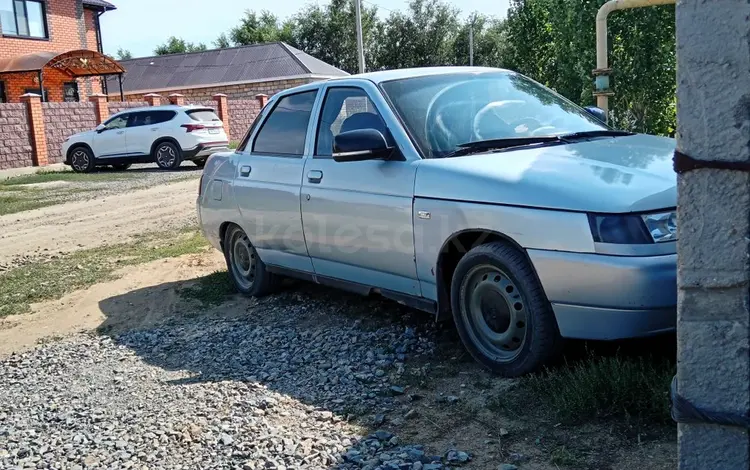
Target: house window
column 25, row 18
column 3, row 98
column 70, row 92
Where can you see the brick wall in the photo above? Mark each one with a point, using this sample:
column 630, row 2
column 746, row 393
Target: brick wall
column 62, row 120
column 65, row 18
column 242, row 113
column 15, row 146
column 16, row 85
column 117, row 106
column 233, row 92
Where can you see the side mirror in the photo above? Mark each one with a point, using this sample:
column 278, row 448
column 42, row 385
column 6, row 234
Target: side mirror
column 100, row 128
column 360, row 145
column 597, row 113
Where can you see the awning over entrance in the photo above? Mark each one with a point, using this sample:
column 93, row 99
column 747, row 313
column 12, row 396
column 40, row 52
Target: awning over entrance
column 78, row 63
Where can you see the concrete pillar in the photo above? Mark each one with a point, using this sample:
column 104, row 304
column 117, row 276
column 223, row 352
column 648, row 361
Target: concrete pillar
column 177, row 99
column 101, row 108
column 153, row 99
column 262, row 99
column 713, row 321
column 222, row 109
column 37, row 130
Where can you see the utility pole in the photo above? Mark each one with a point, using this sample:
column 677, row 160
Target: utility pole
column 360, row 45
column 471, row 39
column 713, row 312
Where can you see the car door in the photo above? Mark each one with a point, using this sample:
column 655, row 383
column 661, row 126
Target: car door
column 357, row 216
column 111, row 142
column 144, row 127
column 268, row 181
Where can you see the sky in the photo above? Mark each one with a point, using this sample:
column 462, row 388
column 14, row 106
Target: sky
column 140, row 25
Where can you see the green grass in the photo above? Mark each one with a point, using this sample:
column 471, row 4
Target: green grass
column 565, row 457
column 234, row 144
column 12, row 203
column 598, row 388
column 66, row 175
column 41, row 281
column 210, row 290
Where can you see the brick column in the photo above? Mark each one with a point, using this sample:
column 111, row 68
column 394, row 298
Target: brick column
column 101, row 109
column 153, row 99
column 713, row 309
column 177, row 99
column 36, row 128
column 262, row 99
column 222, row 107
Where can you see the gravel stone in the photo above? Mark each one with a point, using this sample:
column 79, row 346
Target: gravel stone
column 210, row 393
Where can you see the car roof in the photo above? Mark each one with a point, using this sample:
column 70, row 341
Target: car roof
column 166, row 107
column 386, row 75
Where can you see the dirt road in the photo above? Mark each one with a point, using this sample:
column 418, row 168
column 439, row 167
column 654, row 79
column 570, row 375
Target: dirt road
column 101, row 221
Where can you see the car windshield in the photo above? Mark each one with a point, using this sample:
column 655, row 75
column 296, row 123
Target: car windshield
column 445, row 111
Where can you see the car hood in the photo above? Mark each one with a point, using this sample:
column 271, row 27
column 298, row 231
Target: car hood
column 615, row 175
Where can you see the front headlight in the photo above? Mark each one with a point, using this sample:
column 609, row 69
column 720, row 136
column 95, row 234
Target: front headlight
column 662, row 227
column 631, row 229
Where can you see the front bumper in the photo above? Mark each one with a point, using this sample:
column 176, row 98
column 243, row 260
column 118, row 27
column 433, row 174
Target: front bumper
column 609, row 297
column 205, row 150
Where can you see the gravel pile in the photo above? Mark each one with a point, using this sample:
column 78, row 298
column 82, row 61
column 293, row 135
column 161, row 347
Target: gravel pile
column 213, row 394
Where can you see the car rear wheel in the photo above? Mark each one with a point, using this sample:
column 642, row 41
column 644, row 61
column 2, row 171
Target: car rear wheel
column 246, row 269
column 168, row 156
column 82, row 160
column 501, row 312
column 122, row 166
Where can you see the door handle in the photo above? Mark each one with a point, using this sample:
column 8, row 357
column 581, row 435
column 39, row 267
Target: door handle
column 245, row 170
column 314, row 176
column 120, row 132
column 154, row 129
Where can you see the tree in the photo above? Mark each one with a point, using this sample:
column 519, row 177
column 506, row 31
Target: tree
column 424, row 35
column 255, row 29
column 553, row 41
column 489, row 42
column 328, row 33
column 222, row 42
column 176, row 45
column 124, row 54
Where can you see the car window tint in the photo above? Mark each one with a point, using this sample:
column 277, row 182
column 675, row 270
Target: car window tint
column 285, row 129
column 203, row 115
column 158, row 117
column 139, row 119
column 346, row 109
column 118, row 122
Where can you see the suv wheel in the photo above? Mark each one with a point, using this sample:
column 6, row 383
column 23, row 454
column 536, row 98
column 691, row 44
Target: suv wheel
column 501, row 312
column 168, row 156
column 247, row 271
column 82, row 160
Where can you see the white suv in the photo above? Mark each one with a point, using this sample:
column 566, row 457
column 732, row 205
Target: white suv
column 166, row 135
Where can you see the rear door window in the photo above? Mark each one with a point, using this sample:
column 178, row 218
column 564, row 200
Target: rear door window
column 203, row 115
column 285, row 129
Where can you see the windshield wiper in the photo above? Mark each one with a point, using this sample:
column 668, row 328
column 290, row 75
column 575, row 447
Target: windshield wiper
column 479, row 146
column 497, row 144
column 597, row 133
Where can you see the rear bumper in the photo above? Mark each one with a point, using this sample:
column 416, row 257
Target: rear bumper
column 205, row 150
column 609, row 297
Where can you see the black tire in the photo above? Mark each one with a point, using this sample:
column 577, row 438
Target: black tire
column 247, row 271
column 168, row 156
column 122, row 166
column 200, row 163
column 501, row 312
column 82, row 160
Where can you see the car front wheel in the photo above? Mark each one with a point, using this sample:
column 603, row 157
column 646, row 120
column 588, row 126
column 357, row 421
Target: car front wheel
column 501, row 312
column 82, row 160
column 246, row 269
column 168, row 156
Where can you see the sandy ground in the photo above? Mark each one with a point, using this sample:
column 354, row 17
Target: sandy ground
column 81, row 310
column 87, row 224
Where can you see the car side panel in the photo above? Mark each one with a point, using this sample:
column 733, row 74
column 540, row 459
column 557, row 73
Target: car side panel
column 217, row 204
column 437, row 220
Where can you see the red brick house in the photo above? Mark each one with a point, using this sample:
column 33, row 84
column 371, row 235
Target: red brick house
column 55, row 45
